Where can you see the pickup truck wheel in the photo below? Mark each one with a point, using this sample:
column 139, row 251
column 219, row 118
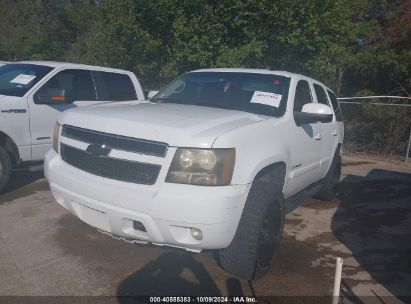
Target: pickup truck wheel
column 258, row 235
column 5, row 168
column 331, row 181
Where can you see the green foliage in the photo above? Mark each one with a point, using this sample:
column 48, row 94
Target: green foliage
column 351, row 45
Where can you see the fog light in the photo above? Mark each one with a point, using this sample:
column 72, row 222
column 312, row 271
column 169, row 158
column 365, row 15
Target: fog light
column 139, row 226
column 196, row 234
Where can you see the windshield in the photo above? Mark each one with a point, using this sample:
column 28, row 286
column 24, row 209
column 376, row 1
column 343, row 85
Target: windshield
column 250, row 92
column 17, row 78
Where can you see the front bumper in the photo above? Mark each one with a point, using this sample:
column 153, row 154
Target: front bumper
column 166, row 210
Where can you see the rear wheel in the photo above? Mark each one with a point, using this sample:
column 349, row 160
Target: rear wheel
column 258, row 235
column 5, row 168
column 332, row 180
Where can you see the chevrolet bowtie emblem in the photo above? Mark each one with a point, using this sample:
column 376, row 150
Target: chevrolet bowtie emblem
column 98, row 150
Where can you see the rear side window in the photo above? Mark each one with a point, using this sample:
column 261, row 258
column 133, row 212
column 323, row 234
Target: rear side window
column 336, row 106
column 114, row 86
column 321, row 95
column 302, row 95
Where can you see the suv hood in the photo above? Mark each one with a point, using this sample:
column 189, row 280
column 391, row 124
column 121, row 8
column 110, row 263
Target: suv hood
column 175, row 124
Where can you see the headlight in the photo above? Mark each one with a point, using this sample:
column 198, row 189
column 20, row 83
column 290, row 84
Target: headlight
column 56, row 134
column 206, row 167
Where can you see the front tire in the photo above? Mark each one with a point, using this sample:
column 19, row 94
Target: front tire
column 5, row 168
column 258, row 236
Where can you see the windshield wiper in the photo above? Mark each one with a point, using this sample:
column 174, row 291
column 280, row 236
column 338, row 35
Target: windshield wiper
column 217, row 105
column 158, row 98
column 167, row 100
column 205, row 104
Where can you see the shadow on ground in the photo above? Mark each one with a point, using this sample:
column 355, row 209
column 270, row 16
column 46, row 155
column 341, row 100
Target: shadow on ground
column 374, row 222
column 172, row 274
column 158, row 272
column 22, row 183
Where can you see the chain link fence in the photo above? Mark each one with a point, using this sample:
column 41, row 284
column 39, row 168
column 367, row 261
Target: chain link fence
column 377, row 128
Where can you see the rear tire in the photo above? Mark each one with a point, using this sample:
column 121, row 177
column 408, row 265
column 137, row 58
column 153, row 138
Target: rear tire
column 258, row 235
column 332, row 180
column 5, row 168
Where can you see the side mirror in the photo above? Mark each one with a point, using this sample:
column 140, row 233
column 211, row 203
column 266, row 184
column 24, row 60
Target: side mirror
column 314, row 112
column 51, row 96
column 152, row 94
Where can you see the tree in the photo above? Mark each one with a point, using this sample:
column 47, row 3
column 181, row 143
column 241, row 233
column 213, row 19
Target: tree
column 351, row 45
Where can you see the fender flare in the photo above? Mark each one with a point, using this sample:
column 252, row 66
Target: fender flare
column 274, row 172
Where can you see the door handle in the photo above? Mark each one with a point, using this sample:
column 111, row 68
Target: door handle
column 317, row 136
column 334, row 133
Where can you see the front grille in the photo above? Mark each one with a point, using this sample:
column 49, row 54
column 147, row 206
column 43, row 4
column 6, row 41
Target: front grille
column 117, row 142
column 118, row 169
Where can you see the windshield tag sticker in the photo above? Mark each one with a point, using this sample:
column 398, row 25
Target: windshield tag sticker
column 23, row 79
column 266, row 98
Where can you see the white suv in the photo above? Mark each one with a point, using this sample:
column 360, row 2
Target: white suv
column 213, row 161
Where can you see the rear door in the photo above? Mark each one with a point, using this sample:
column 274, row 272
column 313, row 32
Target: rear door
column 329, row 132
column 339, row 124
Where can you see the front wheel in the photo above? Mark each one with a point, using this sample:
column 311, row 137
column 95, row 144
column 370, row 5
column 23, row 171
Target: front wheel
column 5, row 168
column 258, row 235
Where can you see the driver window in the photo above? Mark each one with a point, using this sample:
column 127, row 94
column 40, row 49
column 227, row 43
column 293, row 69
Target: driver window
column 76, row 84
column 302, row 95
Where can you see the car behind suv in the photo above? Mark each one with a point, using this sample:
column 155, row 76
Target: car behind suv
column 33, row 93
column 213, row 161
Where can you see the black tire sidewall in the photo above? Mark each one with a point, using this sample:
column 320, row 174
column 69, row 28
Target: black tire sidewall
column 332, row 180
column 242, row 256
column 330, row 188
column 278, row 203
column 6, row 172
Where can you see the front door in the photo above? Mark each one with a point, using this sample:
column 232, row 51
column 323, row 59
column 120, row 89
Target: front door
column 79, row 90
column 305, row 145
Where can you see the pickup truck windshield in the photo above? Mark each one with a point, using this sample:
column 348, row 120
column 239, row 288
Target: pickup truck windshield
column 17, row 78
column 264, row 94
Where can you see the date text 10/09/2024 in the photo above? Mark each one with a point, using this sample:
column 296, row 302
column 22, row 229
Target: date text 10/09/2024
column 203, row 299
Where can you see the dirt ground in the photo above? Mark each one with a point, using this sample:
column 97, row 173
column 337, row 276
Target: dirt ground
column 45, row 251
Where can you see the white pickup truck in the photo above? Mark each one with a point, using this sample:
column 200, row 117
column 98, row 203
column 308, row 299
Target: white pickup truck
column 213, row 161
column 32, row 94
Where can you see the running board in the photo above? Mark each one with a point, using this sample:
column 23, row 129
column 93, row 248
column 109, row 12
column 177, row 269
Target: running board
column 30, row 167
column 295, row 200
column 36, row 168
